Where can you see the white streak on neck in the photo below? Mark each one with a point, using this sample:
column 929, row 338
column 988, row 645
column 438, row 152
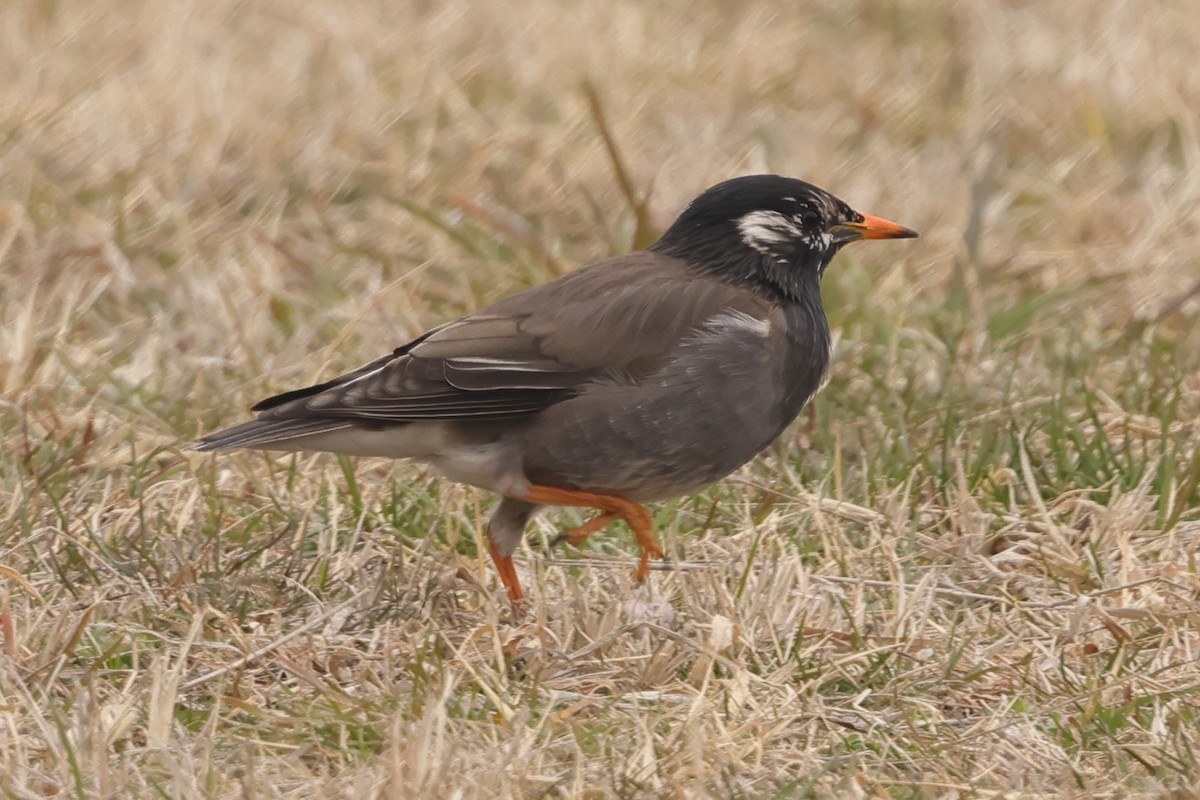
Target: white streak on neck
column 734, row 320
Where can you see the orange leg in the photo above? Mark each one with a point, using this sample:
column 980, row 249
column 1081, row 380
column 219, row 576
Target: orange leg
column 612, row 506
column 577, row 534
column 508, row 573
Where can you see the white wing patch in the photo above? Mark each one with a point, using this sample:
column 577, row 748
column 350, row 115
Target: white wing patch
column 506, row 364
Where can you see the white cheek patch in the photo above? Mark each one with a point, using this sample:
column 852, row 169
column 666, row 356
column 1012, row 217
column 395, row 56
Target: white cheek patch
column 761, row 230
column 820, row 241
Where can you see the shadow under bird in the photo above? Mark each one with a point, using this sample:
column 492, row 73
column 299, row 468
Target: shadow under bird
column 639, row 378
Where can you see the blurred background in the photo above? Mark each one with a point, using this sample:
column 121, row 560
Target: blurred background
column 202, row 203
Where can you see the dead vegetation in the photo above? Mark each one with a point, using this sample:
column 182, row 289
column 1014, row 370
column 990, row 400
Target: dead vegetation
column 970, row 571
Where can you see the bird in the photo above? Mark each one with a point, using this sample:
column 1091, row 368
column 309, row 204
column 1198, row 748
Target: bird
column 640, row 378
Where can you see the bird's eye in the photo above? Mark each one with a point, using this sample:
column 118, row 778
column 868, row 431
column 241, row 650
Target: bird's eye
column 810, row 220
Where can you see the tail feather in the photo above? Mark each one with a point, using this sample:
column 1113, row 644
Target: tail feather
column 266, row 434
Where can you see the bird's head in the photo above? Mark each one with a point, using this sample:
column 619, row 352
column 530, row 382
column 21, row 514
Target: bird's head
column 771, row 231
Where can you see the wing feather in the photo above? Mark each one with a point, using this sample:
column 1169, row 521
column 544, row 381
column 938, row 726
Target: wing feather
column 625, row 317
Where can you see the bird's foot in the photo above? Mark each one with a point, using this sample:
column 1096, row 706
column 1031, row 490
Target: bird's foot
column 650, row 549
column 611, row 506
column 576, row 535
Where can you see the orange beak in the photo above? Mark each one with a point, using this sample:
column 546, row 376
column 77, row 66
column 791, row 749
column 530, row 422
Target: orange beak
column 871, row 228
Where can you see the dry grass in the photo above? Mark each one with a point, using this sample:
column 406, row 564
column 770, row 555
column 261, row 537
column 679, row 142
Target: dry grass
column 971, row 571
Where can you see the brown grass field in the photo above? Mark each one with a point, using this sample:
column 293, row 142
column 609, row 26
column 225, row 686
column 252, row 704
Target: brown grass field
column 970, row 570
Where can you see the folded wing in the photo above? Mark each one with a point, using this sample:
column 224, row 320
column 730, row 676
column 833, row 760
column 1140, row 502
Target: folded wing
column 616, row 320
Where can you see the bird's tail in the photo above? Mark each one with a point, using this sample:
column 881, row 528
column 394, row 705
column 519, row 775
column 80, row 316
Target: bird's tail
column 266, row 434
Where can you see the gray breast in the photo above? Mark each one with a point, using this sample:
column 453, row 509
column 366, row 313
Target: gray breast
column 725, row 394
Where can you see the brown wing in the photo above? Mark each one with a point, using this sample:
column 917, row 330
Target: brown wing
column 620, row 318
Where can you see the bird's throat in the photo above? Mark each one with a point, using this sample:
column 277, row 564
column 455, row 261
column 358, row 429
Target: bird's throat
column 808, row 352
